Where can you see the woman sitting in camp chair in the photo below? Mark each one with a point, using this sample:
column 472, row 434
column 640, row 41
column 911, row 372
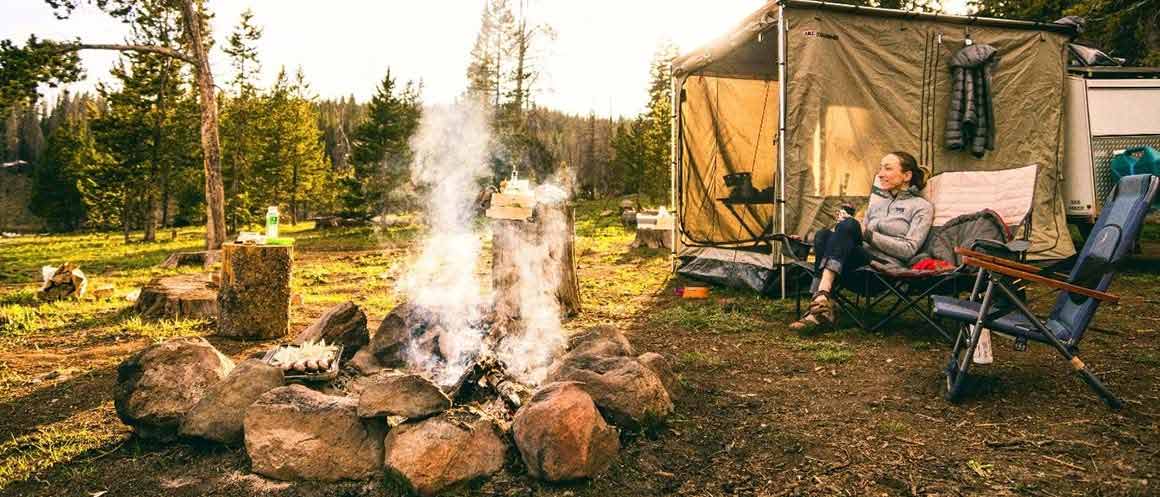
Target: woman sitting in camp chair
column 897, row 222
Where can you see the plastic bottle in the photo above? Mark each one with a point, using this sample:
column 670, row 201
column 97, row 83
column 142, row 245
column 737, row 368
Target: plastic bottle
column 272, row 222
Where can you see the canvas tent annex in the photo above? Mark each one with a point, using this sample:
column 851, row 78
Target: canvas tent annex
column 858, row 83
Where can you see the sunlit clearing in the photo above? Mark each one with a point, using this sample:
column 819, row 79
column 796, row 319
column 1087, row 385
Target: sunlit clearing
column 956, row 7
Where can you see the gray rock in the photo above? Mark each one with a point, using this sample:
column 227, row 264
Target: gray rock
column 220, row 413
column 295, row 433
column 660, row 365
column 387, row 346
column 158, row 385
column 600, row 341
column 630, row 395
column 410, row 396
column 561, row 436
column 443, row 452
column 344, row 324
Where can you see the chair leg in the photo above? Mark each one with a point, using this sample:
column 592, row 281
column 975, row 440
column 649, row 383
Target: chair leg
column 960, row 361
column 1085, row 374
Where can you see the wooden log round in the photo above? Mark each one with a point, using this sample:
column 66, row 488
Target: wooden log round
column 254, row 299
column 187, row 296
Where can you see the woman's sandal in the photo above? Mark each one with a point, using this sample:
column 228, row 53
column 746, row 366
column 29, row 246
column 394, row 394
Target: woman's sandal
column 821, row 314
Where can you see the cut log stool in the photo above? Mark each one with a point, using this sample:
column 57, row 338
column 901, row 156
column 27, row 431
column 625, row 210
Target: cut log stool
column 254, row 299
column 188, row 296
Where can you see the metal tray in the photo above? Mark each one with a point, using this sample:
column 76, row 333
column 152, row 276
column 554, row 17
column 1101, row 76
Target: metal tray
column 327, row 375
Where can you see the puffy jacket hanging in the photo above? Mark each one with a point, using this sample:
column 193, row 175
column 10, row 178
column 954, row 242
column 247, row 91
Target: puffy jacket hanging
column 971, row 120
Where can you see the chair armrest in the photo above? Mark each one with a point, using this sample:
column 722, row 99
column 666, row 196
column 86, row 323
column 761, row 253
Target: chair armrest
column 796, row 248
column 1013, row 247
column 1035, row 278
column 966, row 252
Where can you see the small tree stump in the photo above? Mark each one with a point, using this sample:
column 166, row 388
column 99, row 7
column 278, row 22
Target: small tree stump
column 188, row 296
column 653, row 238
column 254, row 300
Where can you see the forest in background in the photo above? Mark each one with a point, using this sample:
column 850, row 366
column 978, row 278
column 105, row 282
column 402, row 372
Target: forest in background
column 129, row 155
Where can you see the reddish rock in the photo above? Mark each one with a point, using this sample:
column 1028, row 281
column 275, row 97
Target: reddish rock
column 158, row 385
column 561, row 436
column 295, row 433
column 443, row 452
column 630, row 395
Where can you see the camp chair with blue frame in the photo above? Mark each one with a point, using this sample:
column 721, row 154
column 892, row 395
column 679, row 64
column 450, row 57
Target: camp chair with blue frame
column 1112, row 240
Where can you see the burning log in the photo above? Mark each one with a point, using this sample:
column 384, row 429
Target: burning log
column 488, row 374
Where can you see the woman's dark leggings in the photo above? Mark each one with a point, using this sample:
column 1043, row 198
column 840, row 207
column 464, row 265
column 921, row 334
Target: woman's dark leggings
column 839, row 249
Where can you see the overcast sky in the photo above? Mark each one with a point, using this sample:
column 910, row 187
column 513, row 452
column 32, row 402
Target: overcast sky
column 598, row 62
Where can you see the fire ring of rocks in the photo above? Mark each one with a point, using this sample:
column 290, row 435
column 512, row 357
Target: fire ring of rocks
column 431, row 429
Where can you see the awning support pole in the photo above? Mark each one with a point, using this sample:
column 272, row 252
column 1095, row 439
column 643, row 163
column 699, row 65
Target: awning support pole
column 781, row 118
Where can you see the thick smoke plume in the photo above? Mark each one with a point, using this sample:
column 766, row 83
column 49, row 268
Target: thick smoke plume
column 451, row 150
column 452, row 147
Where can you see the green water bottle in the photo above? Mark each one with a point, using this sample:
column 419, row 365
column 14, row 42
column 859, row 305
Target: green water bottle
column 272, row 222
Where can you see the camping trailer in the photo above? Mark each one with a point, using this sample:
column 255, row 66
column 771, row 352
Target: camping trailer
column 805, row 97
column 1109, row 109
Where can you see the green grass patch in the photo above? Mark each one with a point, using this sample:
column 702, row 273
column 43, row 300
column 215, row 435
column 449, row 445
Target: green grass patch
column 824, row 351
column 164, row 329
column 701, row 359
column 1147, row 359
column 705, row 316
column 17, row 320
column 62, row 442
column 893, row 427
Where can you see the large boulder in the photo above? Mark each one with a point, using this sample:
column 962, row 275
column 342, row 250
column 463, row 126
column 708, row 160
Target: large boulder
column 158, row 385
column 627, row 392
column 442, row 452
column 662, row 367
column 600, row 341
column 561, row 436
column 344, row 324
column 387, row 347
column 220, row 413
column 408, row 395
column 295, row 433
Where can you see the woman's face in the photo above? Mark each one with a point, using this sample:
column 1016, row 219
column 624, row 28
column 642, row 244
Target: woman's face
column 890, row 174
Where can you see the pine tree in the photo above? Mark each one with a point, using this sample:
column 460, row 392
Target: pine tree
column 380, row 151
column 657, row 124
column 240, row 116
column 69, row 148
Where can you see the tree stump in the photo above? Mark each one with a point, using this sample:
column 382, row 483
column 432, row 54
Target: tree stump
column 653, row 238
column 254, row 299
column 204, row 258
column 188, row 296
column 524, row 249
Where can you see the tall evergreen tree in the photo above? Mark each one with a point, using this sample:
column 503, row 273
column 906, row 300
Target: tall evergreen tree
column 381, row 152
column 241, row 114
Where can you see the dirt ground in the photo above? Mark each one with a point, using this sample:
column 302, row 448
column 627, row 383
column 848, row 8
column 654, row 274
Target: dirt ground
column 762, row 411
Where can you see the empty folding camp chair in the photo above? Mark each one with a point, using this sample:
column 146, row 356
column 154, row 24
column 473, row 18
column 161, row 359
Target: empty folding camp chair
column 1110, row 242
column 997, row 204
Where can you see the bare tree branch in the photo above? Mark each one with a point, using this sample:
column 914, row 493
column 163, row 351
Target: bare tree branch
column 166, row 51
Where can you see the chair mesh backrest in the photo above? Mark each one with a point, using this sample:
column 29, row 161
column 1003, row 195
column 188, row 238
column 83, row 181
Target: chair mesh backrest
column 1111, row 240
